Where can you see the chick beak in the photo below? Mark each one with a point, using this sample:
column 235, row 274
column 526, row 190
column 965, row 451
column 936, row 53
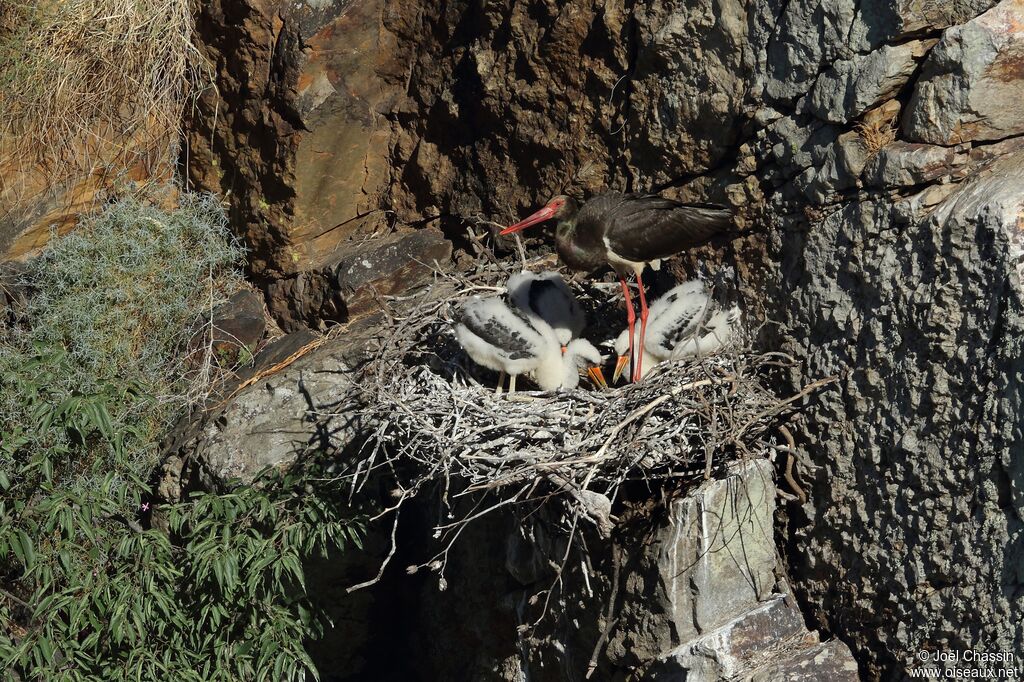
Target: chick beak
column 597, row 377
column 620, row 366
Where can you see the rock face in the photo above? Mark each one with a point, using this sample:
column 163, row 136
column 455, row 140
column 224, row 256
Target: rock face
column 972, row 84
column 34, row 204
column 359, row 277
column 730, row 616
column 888, row 255
column 852, row 86
column 918, row 315
column 295, row 135
column 295, row 192
column 904, row 164
column 699, row 597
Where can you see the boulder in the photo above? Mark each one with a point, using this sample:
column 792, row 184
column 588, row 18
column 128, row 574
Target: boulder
column 356, row 280
column 708, row 523
column 273, row 413
column 731, row 613
column 852, row 86
column 772, row 629
column 239, row 324
column 972, row 84
column 905, row 164
column 826, row 661
column 387, row 267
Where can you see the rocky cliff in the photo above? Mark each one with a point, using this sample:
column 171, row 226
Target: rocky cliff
column 873, row 147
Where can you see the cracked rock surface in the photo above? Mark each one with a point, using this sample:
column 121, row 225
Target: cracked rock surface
column 972, row 83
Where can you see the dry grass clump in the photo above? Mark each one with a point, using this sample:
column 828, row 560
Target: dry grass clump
column 434, row 419
column 81, row 76
column 877, row 133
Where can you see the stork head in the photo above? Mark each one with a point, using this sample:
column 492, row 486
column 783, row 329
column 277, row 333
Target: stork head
column 588, row 360
column 561, row 208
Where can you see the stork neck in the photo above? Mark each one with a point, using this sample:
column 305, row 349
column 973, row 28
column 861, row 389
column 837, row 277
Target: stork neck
column 570, row 249
column 565, row 230
column 550, row 372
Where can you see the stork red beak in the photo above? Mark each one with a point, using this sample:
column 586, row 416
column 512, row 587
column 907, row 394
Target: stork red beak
column 546, row 213
column 597, row 377
column 620, row 365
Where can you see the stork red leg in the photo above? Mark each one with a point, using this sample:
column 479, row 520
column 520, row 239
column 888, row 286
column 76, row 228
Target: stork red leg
column 630, row 318
column 637, row 369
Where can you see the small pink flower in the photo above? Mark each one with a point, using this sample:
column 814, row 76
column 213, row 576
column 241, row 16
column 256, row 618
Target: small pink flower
column 144, row 507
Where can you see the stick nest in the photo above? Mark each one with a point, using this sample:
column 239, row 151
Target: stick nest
column 438, row 421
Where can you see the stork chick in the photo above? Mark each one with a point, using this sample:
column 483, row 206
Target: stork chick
column 673, row 317
column 677, row 329
column 580, row 355
column 504, row 339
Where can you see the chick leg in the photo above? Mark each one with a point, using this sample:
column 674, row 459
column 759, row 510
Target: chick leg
column 630, row 319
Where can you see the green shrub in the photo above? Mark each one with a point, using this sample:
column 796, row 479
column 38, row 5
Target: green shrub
column 220, row 597
column 123, row 293
column 97, row 582
column 113, row 317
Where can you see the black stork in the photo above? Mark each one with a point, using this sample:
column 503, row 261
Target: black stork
column 628, row 232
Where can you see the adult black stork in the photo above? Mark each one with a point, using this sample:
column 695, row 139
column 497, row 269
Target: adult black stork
column 628, row 232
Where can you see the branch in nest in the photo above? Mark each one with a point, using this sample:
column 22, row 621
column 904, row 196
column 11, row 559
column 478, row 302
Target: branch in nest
column 597, row 507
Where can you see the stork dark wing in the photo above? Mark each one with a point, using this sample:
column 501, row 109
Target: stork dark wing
column 646, row 228
column 501, row 326
column 551, row 298
column 540, row 292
